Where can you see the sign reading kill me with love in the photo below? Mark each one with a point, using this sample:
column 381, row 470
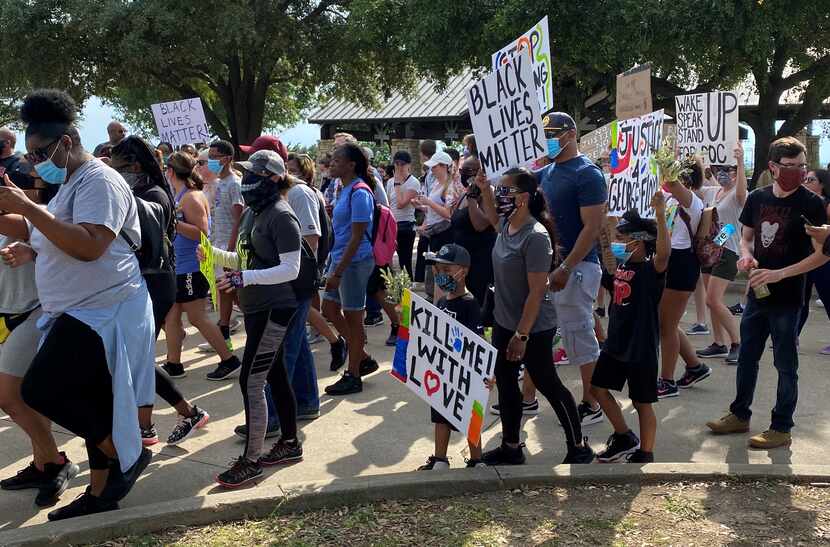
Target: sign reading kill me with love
column 444, row 363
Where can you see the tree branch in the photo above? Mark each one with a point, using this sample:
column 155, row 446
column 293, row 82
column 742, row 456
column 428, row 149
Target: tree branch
column 796, row 78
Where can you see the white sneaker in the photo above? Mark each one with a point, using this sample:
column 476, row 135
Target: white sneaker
column 235, row 325
column 205, row 348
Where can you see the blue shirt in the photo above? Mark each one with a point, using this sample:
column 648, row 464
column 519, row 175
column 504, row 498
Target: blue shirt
column 567, row 187
column 352, row 206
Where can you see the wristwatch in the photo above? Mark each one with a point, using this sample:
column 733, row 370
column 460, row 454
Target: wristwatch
column 521, row 337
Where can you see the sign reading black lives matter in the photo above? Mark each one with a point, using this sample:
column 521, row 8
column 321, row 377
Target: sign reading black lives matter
column 707, row 124
column 504, row 112
column 181, row 122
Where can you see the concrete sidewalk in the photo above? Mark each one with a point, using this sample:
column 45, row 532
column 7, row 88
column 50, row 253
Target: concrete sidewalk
column 386, row 429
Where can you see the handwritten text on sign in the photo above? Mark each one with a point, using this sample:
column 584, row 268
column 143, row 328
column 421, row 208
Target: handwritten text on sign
column 634, row 178
column 444, row 363
column 536, row 42
column 707, row 124
column 181, row 122
column 505, row 118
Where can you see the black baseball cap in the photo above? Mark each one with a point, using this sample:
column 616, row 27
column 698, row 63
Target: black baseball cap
column 402, row 156
column 450, row 253
column 558, row 121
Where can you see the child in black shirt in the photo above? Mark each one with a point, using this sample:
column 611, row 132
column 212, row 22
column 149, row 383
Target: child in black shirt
column 630, row 350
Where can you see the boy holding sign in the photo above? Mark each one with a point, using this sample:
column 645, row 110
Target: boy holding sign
column 450, row 266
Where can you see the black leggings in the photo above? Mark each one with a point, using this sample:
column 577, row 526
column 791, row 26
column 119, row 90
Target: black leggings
column 69, row 383
column 162, row 289
column 539, row 365
column 406, row 240
column 263, row 361
column 420, row 264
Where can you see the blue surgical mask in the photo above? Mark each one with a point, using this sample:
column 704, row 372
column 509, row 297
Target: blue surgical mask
column 51, row 173
column 554, row 148
column 446, row 282
column 619, row 251
column 214, row 166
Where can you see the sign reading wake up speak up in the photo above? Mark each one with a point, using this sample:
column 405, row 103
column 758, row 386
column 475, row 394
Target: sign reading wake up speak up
column 444, row 363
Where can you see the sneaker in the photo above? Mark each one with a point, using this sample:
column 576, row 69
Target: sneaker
column 346, row 385
column 225, row 369
column 28, row 477
column 732, row 358
column 308, row 415
column 600, row 312
column 339, row 353
column 435, row 464
column 241, row 431
column 58, row 477
column 560, row 357
column 698, row 329
column 373, row 319
column 580, row 455
column 242, row 471
column 149, row 436
column 694, row 376
column 770, row 439
column 666, row 389
column 235, row 325
column 473, row 463
column 640, row 456
column 174, row 370
column 825, row 350
column 728, row 424
column 504, row 455
column 528, row 409
column 368, row 366
column 188, row 425
column 119, row 483
column 85, row 504
column 714, row 350
column 737, row 309
column 619, row 448
column 283, row 452
column 393, row 336
column 819, row 302
column 588, row 415
column 205, row 348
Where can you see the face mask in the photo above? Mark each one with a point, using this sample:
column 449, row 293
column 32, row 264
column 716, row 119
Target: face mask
column 446, row 282
column 790, row 178
column 465, row 152
column 505, row 202
column 554, row 148
column 258, row 191
column 214, row 166
column 51, row 173
column 619, row 252
column 723, row 178
column 133, row 179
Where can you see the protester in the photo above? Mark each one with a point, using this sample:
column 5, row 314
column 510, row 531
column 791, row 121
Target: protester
column 210, row 180
column 190, row 150
column 470, row 148
column 116, row 131
column 427, row 149
column 402, row 189
column 266, row 142
column 525, row 318
column 776, row 252
column 192, row 212
column 323, row 170
column 818, row 182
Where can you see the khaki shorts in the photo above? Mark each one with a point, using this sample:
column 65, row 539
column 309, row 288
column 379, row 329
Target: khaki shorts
column 575, row 313
column 17, row 352
column 726, row 268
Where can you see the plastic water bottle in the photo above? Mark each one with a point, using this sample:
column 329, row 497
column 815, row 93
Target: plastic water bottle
column 725, row 233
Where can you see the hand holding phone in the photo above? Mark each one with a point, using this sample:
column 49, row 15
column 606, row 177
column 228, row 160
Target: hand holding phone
column 806, row 221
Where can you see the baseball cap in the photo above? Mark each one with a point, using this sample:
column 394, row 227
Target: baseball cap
column 402, row 156
column 450, row 253
column 266, row 142
column 263, row 161
column 439, row 157
column 368, row 151
column 558, row 121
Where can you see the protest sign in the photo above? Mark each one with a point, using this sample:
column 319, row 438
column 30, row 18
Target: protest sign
column 597, row 143
column 634, row 177
column 536, row 42
column 707, row 124
column 634, row 92
column 181, row 122
column 444, row 363
column 208, row 269
column 505, row 118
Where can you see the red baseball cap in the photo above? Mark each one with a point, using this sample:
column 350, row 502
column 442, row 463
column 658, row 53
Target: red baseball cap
column 266, row 142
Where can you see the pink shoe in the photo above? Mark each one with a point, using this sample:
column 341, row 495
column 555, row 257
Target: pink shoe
column 560, row 357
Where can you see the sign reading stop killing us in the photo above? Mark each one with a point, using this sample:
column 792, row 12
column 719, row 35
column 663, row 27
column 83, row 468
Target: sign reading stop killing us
column 181, row 122
column 444, row 363
column 505, row 116
column 707, row 124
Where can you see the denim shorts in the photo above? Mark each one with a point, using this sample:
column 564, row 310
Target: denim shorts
column 352, row 292
column 575, row 313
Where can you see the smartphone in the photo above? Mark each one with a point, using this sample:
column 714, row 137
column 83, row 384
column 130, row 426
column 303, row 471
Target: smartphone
column 806, row 221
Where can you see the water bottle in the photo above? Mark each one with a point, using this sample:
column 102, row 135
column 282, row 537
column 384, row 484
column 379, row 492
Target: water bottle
column 761, row 291
column 725, row 233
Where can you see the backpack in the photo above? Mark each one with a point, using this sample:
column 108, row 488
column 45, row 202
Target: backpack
column 384, row 237
column 155, row 254
column 708, row 254
column 326, row 233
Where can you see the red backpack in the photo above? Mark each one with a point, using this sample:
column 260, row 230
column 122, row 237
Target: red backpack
column 384, row 229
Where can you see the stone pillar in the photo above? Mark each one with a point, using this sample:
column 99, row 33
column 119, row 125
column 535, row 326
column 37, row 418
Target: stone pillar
column 413, row 147
column 813, row 144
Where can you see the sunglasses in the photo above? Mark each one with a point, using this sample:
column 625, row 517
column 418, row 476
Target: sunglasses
column 508, row 190
column 202, row 162
column 39, row 155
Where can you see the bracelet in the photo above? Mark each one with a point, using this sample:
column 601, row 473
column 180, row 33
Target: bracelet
column 564, row 267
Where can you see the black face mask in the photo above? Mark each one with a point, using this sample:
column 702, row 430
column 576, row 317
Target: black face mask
column 258, row 191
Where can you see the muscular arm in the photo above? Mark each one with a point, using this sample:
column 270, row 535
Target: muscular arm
column 592, row 217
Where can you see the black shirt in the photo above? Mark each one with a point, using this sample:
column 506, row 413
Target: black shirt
column 465, row 310
column 633, row 324
column 780, row 239
column 18, row 170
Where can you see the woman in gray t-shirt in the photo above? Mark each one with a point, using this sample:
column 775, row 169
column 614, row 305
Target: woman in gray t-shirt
column 525, row 319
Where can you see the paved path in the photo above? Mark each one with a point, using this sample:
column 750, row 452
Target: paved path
column 386, row 429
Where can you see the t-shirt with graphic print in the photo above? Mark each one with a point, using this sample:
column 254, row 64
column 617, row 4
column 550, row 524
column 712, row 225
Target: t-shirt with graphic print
column 780, row 239
column 465, row 310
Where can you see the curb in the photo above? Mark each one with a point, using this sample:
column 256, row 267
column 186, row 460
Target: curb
column 307, row 496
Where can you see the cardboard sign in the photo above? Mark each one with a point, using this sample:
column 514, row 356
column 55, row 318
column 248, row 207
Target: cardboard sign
column 536, row 42
column 181, row 122
column 505, row 118
column 208, row 270
column 634, row 92
column 634, row 177
column 444, row 363
column 597, row 143
column 707, row 124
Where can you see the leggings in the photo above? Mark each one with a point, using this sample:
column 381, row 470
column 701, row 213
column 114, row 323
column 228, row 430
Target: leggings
column 538, row 362
column 420, row 264
column 820, row 278
column 406, row 240
column 263, row 361
column 162, row 289
column 69, row 383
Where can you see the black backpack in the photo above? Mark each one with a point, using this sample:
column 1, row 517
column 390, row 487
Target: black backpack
column 326, row 234
column 155, row 254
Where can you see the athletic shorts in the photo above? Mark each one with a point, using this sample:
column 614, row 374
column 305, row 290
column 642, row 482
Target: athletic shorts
column 351, row 295
column 376, row 282
column 575, row 313
column 190, row 287
column 726, row 268
column 438, row 418
column 611, row 373
column 17, row 352
column 683, row 271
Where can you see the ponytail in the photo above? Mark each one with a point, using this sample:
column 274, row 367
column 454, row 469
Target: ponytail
column 184, row 166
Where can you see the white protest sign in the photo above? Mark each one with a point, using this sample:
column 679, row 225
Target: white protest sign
column 181, row 122
column 444, row 363
column 707, row 124
column 634, row 177
column 505, row 118
column 536, row 42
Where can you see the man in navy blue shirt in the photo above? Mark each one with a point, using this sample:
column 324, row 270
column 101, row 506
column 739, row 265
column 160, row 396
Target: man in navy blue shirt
column 576, row 194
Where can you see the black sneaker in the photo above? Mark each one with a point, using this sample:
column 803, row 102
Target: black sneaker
column 528, row 409
column 504, row 455
column 666, row 389
column 393, row 336
column 640, row 456
column 174, row 370
column 283, row 452
column 346, row 385
column 435, row 463
column 339, row 353
column 737, row 309
column 698, row 329
column 694, row 376
column 242, row 471
column 579, row 455
column 187, row 425
column 28, row 477
column 368, row 366
column 588, row 415
column 713, row 351
column 85, row 504
column 120, row 483
column 59, row 477
column 373, row 319
column 225, row 369
column 472, row 463
column 149, row 436
column 241, row 431
column 732, row 358
column 619, row 447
